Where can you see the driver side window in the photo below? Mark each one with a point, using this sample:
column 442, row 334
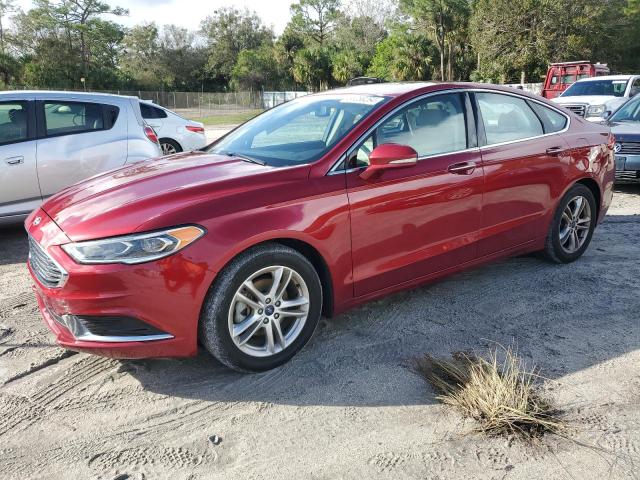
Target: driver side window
column 432, row 126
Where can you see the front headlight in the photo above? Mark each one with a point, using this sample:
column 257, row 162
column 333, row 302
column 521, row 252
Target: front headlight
column 596, row 110
column 136, row 248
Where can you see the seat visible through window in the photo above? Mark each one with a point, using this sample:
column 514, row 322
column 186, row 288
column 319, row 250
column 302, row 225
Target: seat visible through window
column 433, row 126
column 13, row 122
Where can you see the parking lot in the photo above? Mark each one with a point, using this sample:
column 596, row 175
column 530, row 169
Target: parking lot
column 349, row 405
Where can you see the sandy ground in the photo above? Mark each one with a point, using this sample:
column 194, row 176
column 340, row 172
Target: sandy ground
column 348, row 406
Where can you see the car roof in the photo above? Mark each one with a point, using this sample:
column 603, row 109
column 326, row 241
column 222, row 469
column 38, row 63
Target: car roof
column 607, row 77
column 397, row 89
column 386, row 89
column 62, row 93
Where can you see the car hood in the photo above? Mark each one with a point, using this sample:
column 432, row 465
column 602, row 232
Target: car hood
column 589, row 100
column 143, row 194
column 626, row 132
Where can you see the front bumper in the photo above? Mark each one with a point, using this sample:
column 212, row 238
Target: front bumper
column 165, row 295
column 627, row 164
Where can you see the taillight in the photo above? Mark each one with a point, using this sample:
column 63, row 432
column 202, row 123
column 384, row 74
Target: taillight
column 150, row 133
column 195, row 129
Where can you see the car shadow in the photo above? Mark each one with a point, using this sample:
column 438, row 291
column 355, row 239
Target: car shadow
column 561, row 318
column 627, row 186
column 15, row 248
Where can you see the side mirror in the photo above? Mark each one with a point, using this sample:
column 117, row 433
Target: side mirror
column 606, row 114
column 388, row 157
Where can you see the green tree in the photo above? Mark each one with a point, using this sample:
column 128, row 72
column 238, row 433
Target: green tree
column 403, row 55
column 315, row 20
column 515, row 39
column 73, row 33
column 312, row 68
column 183, row 59
column 227, row 32
column 256, row 70
column 141, row 60
column 6, row 7
column 440, row 19
column 355, row 41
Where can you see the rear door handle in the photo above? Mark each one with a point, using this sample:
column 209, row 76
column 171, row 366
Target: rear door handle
column 14, row 160
column 555, row 151
column 464, row 168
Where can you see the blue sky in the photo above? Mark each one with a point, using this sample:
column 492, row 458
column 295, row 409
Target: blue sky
column 189, row 13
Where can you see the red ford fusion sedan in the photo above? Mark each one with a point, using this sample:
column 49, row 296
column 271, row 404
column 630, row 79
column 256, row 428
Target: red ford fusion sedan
column 311, row 208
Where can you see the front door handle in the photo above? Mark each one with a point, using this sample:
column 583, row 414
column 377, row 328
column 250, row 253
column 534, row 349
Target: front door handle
column 555, row 151
column 464, row 168
column 14, row 160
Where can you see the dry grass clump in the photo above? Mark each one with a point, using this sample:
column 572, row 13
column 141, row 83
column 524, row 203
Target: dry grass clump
column 500, row 395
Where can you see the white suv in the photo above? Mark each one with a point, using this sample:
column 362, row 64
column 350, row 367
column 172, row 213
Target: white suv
column 176, row 134
column 50, row 140
column 596, row 98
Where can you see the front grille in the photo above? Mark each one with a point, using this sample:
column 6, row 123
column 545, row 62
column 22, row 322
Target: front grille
column 48, row 272
column 577, row 108
column 629, row 148
column 627, row 175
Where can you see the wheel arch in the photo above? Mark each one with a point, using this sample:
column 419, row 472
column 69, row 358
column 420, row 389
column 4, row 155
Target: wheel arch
column 592, row 185
column 319, row 263
column 303, row 247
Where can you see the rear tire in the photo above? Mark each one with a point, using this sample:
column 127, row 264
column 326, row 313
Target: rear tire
column 169, row 146
column 262, row 309
column 572, row 226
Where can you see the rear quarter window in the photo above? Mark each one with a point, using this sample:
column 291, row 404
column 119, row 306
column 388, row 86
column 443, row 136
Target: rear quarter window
column 551, row 120
column 149, row 111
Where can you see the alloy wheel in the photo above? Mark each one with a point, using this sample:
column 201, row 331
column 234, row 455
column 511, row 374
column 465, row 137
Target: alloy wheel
column 168, row 149
column 268, row 311
column 575, row 224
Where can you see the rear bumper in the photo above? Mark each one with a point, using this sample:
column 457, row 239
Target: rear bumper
column 192, row 141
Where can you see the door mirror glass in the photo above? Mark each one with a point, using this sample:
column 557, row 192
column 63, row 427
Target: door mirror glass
column 387, row 157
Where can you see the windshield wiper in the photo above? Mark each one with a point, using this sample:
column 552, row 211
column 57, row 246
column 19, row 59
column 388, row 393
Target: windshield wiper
column 245, row 158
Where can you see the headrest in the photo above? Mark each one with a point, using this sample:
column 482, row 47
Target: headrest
column 430, row 117
column 18, row 116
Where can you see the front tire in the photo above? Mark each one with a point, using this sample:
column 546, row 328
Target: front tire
column 572, row 226
column 262, row 309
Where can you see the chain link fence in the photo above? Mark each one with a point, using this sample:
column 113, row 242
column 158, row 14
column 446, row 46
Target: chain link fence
column 207, row 104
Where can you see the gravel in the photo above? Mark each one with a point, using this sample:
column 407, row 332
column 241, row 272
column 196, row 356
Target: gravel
column 349, row 405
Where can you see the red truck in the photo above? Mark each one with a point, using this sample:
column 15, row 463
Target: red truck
column 561, row 76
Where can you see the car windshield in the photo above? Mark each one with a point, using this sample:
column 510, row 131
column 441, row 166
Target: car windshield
column 300, row 131
column 630, row 112
column 614, row 88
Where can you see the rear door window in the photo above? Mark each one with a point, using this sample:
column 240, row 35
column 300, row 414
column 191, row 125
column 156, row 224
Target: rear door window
column 13, row 122
column 65, row 118
column 507, row 118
